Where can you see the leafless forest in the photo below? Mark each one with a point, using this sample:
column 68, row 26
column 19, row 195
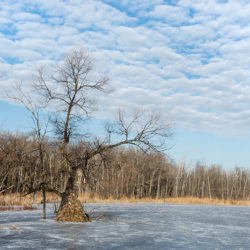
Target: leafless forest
column 120, row 172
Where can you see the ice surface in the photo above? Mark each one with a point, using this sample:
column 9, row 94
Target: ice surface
column 131, row 226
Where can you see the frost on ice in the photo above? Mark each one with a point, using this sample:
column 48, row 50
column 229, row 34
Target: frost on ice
column 131, row 226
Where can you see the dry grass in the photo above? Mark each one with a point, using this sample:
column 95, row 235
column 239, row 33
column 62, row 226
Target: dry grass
column 86, row 198
column 25, row 207
column 11, row 200
column 18, row 208
column 11, row 227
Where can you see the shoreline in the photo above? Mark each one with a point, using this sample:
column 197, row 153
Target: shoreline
column 17, row 200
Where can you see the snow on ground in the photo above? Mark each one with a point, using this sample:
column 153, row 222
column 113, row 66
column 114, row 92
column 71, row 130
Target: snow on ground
column 131, row 226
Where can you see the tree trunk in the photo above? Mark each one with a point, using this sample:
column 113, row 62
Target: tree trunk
column 151, row 183
column 158, row 186
column 44, row 204
column 177, row 181
column 209, row 187
column 71, row 208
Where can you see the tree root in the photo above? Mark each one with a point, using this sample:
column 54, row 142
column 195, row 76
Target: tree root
column 72, row 211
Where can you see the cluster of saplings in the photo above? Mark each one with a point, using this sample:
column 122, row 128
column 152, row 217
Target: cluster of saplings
column 120, row 172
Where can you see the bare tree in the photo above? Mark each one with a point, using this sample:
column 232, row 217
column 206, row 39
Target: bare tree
column 39, row 131
column 68, row 87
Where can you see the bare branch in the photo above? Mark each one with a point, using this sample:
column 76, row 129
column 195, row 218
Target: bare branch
column 68, row 86
column 145, row 131
column 41, row 186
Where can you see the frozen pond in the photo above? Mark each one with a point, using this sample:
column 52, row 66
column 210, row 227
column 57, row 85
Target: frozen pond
column 131, row 226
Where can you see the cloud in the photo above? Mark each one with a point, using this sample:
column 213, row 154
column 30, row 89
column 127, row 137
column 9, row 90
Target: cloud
column 171, row 14
column 188, row 59
column 25, row 16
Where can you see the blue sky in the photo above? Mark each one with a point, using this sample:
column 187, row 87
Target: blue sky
column 186, row 59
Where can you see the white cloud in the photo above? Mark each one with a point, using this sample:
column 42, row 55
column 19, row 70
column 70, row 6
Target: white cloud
column 25, row 16
column 189, row 60
column 171, row 14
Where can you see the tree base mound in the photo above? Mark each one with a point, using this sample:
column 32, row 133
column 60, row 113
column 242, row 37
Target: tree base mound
column 72, row 211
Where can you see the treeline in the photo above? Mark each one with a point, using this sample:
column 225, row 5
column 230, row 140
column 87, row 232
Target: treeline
column 120, row 172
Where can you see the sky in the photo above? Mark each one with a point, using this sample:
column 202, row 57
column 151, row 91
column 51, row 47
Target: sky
column 188, row 60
